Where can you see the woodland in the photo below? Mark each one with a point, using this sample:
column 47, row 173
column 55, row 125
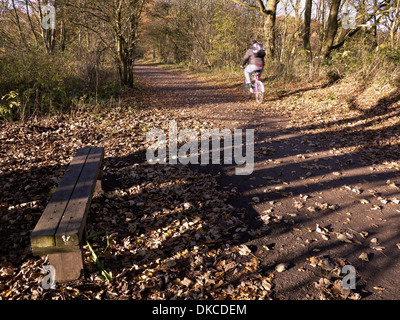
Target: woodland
column 324, row 193
column 88, row 56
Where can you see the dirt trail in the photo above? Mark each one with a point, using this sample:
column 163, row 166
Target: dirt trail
column 301, row 180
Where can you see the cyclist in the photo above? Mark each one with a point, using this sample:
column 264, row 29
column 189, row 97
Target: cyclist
column 255, row 60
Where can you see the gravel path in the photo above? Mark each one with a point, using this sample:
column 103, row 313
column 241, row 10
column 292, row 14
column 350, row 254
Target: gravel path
column 313, row 202
column 323, row 194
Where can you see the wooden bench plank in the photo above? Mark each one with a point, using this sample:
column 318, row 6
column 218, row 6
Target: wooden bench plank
column 43, row 236
column 68, row 265
column 70, row 230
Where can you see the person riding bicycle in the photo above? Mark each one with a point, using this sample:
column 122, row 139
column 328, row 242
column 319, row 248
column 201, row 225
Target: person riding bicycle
column 255, row 57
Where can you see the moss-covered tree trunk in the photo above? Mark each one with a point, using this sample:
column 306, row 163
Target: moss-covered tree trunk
column 331, row 29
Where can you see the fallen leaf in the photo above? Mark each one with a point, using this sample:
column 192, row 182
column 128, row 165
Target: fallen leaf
column 363, row 256
column 379, row 288
column 343, row 237
column 281, row 267
column 244, row 250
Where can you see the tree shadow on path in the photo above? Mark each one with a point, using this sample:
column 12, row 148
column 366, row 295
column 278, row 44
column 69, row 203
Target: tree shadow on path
column 292, row 163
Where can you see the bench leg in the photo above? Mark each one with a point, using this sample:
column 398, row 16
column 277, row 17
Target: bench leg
column 99, row 186
column 68, row 265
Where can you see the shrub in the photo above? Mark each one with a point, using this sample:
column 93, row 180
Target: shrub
column 35, row 83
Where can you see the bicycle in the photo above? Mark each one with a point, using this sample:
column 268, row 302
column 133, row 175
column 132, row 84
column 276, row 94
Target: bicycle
column 257, row 88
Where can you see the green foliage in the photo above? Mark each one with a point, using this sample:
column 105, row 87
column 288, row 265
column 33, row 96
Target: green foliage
column 11, row 102
column 224, row 41
column 213, row 33
column 363, row 64
column 36, row 83
column 392, row 54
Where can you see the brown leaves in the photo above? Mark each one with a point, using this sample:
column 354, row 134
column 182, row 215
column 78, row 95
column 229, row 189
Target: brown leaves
column 330, row 284
column 172, row 233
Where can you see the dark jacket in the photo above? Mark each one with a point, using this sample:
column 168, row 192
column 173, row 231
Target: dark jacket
column 251, row 59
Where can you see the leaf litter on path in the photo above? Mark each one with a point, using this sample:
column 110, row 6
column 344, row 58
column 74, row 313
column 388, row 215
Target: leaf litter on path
column 168, row 226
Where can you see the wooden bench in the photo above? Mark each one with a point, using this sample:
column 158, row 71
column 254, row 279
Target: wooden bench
column 61, row 230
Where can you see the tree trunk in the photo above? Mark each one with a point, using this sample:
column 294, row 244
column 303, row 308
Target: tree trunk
column 269, row 23
column 307, row 30
column 120, row 44
column 122, row 61
column 395, row 25
column 331, row 29
column 48, row 35
column 125, row 25
column 63, row 30
column 28, row 15
column 269, row 28
column 18, row 24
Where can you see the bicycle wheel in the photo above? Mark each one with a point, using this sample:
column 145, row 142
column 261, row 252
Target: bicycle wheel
column 246, row 91
column 259, row 91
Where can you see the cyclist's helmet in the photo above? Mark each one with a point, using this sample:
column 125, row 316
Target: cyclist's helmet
column 252, row 42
